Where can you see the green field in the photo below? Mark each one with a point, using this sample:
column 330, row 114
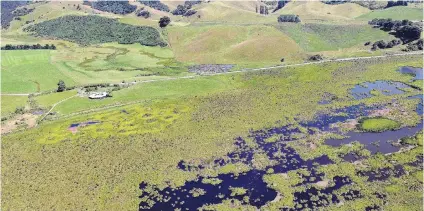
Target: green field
column 40, row 70
column 30, row 71
column 395, row 13
column 10, row 103
column 326, row 37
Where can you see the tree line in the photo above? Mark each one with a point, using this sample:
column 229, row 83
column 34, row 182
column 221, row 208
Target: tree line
column 185, row 10
column 29, row 47
column 405, row 30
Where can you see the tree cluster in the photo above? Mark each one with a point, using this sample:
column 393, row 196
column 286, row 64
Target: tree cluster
column 143, row 13
column 185, row 10
column 29, row 47
column 405, row 30
column 289, row 18
column 22, row 11
column 281, row 4
column 415, row 46
column 396, row 3
column 381, row 44
column 116, row 7
column 156, row 5
column 92, row 29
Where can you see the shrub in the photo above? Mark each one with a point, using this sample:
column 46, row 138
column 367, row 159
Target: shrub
column 164, row 21
column 415, row 46
column 91, row 29
column 61, row 86
column 367, row 43
column 143, row 13
column 316, row 57
column 396, row 3
column 20, row 110
column 289, row 18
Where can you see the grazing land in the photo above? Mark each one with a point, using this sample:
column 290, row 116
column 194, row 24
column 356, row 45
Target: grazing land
column 222, row 108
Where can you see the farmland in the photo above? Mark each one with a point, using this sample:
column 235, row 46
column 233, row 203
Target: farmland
column 226, row 108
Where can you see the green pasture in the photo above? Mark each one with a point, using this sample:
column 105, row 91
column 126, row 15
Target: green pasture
column 10, row 103
column 395, row 13
column 326, row 37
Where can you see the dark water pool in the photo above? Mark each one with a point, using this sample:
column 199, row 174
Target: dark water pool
column 416, row 72
column 362, row 91
column 284, row 158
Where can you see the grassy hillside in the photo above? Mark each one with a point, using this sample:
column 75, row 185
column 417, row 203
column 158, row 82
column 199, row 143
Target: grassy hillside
column 396, row 13
column 325, row 37
column 316, row 11
column 232, row 44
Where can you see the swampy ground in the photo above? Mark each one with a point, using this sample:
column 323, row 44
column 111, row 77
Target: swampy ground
column 175, row 135
column 231, row 142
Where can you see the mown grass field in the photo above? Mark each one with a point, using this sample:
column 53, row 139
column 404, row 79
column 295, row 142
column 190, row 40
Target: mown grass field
column 106, row 162
column 30, row 71
column 395, row 13
column 40, row 70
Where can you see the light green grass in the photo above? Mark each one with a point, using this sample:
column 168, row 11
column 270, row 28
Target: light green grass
column 233, row 44
column 395, row 13
column 326, row 37
column 378, row 124
column 23, row 69
column 10, row 103
column 46, row 101
column 108, row 63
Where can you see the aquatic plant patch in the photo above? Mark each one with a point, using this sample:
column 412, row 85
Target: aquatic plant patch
column 377, row 124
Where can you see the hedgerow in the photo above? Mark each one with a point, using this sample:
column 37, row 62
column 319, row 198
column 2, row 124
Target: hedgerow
column 87, row 30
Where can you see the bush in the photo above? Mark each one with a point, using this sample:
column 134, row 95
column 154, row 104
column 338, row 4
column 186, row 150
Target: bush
column 116, row 7
column 20, row 110
column 289, row 18
column 164, row 21
column 61, row 86
column 367, row 43
column 316, row 57
column 143, row 13
column 91, row 29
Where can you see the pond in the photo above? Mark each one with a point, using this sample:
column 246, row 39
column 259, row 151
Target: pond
column 414, row 71
column 362, row 91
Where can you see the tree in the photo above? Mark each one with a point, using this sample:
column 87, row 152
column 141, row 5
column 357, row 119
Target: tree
column 164, row 21
column 61, row 86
